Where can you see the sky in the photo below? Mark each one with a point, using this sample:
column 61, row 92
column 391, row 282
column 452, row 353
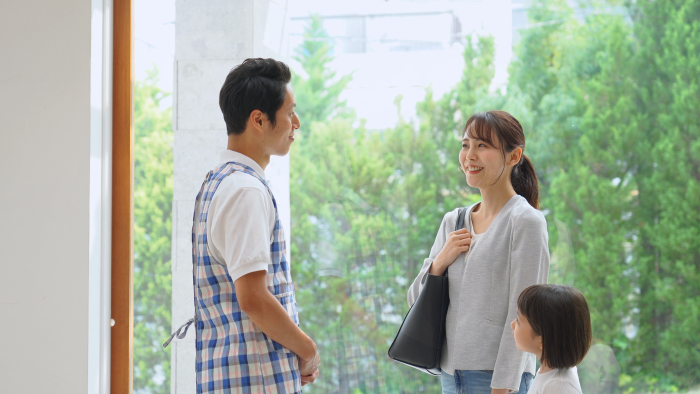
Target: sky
column 378, row 77
column 154, row 34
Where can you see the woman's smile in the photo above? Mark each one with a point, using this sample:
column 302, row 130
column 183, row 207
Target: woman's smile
column 474, row 170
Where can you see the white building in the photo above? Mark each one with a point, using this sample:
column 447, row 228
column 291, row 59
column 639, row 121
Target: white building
column 402, row 48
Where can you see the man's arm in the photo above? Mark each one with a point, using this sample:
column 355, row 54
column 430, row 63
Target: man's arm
column 269, row 315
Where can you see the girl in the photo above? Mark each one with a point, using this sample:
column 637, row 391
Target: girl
column 502, row 250
column 553, row 323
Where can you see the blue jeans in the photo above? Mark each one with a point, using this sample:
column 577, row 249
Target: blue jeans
column 476, row 382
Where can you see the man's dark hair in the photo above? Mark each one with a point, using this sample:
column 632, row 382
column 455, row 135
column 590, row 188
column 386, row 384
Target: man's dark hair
column 560, row 315
column 254, row 84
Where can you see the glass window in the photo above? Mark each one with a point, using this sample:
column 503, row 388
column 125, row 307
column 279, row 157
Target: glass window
column 607, row 94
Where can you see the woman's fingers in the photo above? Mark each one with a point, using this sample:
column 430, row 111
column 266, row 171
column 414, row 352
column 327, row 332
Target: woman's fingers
column 461, row 240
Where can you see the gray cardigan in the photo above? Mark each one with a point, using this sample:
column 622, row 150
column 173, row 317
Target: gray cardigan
column 510, row 256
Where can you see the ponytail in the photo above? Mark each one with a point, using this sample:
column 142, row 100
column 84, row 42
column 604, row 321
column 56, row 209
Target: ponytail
column 524, row 180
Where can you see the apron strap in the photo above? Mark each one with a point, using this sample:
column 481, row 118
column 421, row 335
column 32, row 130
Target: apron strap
column 179, row 333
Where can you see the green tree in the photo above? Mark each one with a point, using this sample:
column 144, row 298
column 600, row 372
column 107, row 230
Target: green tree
column 361, row 226
column 316, row 87
column 153, row 195
column 667, row 350
column 610, row 99
column 607, row 97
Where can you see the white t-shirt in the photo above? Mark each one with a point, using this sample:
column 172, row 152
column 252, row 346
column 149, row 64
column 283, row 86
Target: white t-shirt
column 556, row 381
column 241, row 220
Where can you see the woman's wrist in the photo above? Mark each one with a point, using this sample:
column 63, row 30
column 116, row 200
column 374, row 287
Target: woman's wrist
column 437, row 268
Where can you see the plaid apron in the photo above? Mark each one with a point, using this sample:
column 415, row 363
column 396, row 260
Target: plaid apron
column 233, row 355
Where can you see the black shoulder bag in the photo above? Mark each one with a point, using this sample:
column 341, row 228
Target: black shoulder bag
column 418, row 343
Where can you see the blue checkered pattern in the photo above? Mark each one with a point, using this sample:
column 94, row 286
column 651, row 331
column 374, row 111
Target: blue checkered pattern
column 233, row 355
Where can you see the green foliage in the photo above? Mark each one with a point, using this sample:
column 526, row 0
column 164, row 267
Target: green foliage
column 362, row 222
column 317, row 92
column 153, row 196
column 616, row 142
column 608, row 102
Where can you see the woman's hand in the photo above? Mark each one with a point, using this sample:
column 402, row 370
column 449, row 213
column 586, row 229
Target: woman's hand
column 457, row 242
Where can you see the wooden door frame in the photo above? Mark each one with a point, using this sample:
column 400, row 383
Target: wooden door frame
column 122, row 333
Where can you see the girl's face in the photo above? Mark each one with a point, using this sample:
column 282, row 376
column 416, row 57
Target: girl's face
column 525, row 339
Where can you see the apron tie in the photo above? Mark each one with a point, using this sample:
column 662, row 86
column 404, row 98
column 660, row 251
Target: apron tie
column 179, row 333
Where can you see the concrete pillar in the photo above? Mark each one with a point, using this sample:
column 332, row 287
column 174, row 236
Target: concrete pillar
column 212, row 36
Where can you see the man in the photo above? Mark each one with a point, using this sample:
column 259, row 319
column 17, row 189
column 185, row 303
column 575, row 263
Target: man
column 248, row 339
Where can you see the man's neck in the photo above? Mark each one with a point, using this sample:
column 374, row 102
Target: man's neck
column 240, row 144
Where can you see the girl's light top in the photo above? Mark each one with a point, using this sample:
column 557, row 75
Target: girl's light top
column 556, row 381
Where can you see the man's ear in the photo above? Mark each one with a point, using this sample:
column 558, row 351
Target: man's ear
column 256, row 119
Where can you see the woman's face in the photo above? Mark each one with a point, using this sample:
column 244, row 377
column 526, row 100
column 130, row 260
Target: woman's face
column 483, row 163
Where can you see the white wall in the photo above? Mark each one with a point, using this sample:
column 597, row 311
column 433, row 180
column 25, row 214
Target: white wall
column 44, row 195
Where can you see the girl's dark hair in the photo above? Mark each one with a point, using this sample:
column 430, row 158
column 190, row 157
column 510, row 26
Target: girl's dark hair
column 254, row 84
column 560, row 315
column 507, row 130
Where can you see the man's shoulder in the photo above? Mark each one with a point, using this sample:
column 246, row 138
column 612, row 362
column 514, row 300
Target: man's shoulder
column 240, row 182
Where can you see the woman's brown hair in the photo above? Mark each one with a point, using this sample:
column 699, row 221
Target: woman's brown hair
column 509, row 133
column 560, row 315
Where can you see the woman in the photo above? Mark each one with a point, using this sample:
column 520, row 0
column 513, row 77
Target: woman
column 502, row 250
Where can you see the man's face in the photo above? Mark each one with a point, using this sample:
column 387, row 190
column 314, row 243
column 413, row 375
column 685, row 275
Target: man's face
column 279, row 138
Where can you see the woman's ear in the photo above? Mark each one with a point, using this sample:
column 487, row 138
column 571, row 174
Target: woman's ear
column 515, row 156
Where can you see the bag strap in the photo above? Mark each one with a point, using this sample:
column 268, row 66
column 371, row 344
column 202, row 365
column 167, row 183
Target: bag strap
column 461, row 213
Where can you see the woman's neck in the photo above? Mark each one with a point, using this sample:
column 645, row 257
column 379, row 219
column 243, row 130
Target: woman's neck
column 494, row 198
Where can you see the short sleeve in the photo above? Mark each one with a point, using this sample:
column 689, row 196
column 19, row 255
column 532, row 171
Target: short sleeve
column 240, row 231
